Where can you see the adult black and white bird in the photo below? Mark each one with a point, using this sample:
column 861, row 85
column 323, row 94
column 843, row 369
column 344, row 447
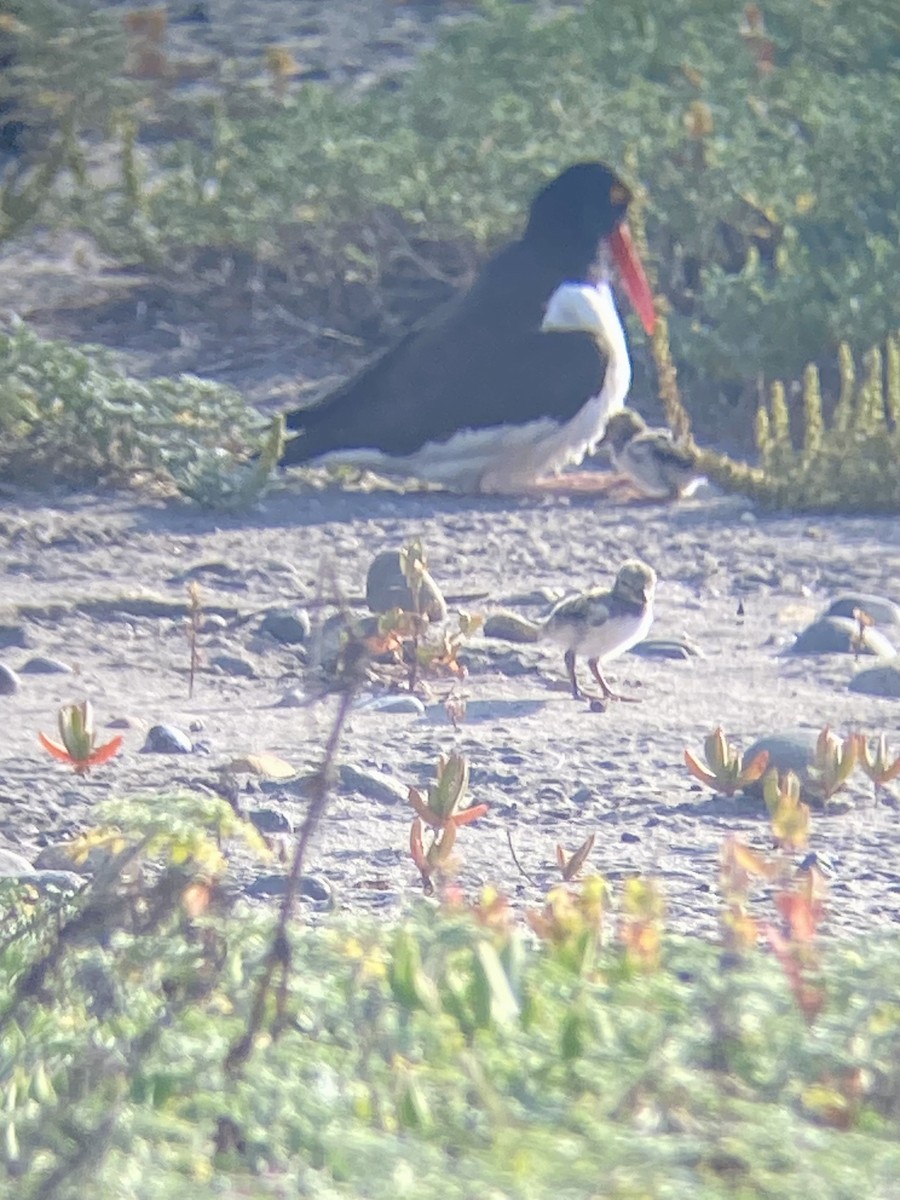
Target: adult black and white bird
column 603, row 623
column 657, row 465
column 489, row 393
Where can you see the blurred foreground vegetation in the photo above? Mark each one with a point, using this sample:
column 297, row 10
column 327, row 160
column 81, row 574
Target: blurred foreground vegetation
column 448, row 1056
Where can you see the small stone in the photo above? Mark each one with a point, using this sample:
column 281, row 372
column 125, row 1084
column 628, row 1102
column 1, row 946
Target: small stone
column 393, row 704
column 883, row 680
column 234, row 664
column 9, row 681
column 167, row 739
column 373, row 784
column 584, row 796
column 267, row 820
column 879, row 608
column 667, row 648
column 386, row 588
column 794, row 750
column 309, row 887
column 486, row 710
column 289, row 626
column 39, row 665
column 12, row 863
column 511, row 628
column 840, row 635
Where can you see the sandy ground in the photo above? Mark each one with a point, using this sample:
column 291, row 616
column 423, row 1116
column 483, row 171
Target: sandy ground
column 99, row 583
column 78, row 575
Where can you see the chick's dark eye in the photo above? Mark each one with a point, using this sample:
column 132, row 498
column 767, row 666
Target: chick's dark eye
column 618, row 194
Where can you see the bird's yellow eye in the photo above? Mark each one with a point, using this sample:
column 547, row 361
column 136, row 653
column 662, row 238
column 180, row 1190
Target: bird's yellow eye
column 618, row 194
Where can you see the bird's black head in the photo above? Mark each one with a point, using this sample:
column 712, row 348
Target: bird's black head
column 578, row 208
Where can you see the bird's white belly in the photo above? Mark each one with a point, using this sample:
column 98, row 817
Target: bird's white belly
column 500, row 459
column 607, row 640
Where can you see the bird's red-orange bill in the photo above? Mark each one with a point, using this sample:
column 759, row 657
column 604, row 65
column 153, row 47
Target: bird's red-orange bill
column 633, row 276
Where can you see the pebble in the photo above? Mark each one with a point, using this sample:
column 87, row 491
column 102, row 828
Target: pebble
column 879, row 608
column 309, row 887
column 883, row 680
column 839, row 635
column 9, row 681
column 386, row 588
column 678, row 648
column 235, row 665
column 373, row 784
column 267, row 820
column 167, row 739
column 288, row 626
column 793, row 750
column 39, row 665
column 392, row 704
column 511, row 628
column 486, row 710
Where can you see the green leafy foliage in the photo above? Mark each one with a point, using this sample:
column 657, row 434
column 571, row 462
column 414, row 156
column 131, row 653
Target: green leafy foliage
column 72, row 415
column 766, row 148
column 443, row 1058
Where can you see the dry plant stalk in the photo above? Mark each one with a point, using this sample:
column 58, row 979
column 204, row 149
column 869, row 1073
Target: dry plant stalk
column 195, row 615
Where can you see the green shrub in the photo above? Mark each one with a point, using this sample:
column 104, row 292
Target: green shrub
column 439, row 1058
column 72, row 416
column 772, row 215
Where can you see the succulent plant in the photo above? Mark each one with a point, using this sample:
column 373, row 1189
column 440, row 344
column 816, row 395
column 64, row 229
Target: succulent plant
column 877, row 763
column 76, row 730
column 724, row 772
column 788, row 814
column 834, row 760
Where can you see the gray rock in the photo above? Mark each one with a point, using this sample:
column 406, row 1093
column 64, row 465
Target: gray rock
column 838, row 635
column 393, row 704
column 882, row 680
column 309, row 887
column 794, row 750
column 167, row 739
column 267, row 820
column 373, row 784
column 13, row 635
column 879, row 608
column 236, row 665
column 39, row 665
column 291, row 626
column 386, row 588
column 9, row 681
column 12, row 863
column 678, row 648
column 486, row 710
column 511, row 628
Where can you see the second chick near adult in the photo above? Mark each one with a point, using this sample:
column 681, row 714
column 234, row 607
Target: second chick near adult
column 603, row 623
column 656, row 464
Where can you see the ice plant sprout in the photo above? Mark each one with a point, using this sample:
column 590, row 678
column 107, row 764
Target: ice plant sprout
column 79, row 748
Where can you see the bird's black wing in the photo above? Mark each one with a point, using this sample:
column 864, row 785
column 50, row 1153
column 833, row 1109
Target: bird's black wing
column 478, row 362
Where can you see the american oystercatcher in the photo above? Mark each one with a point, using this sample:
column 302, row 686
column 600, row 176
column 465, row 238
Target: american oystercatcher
column 603, row 624
column 516, row 378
